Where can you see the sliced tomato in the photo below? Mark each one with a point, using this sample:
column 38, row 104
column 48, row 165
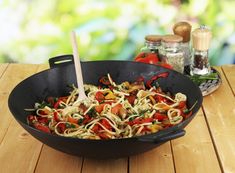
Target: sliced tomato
column 106, row 124
column 99, row 96
column 182, row 104
column 131, row 99
column 115, row 109
column 61, row 127
column 104, row 80
column 99, row 108
column 42, row 127
column 72, row 120
column 147, row 120
column 43, row 120
column 159, row 117
column 103, row 136
column 96, row 128
column 87, row 118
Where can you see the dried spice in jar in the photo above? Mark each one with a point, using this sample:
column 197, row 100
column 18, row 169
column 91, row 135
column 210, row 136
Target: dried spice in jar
column 171, row 52
column 183, row 29
column 201, row 41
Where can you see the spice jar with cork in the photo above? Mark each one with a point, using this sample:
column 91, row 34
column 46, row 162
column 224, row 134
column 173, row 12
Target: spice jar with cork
column 201, row 38
column 183, row 29
column 150, row 52
column 171, row 52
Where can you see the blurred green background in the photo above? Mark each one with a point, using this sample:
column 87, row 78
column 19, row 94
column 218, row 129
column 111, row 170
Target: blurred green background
column 32, row 31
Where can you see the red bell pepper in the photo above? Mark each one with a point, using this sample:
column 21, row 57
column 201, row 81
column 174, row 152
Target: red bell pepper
column 148, row 58
column 155, row 77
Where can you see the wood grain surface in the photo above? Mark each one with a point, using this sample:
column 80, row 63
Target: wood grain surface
column 208, row 146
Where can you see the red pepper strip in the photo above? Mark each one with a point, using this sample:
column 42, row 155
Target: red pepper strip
column 43, row 120
column 140, row 121
column 159, row 117
column 159, row 98
column 42, row 112
column 145, row 129
column 106, row 124
column 56, row 117
column 182, row 104
column 61, row 127
column 104, row 80
column 96, row 128
column 83, row 107
column 147, row 120
column 103, row 136
column 42, row 127
column 161, row 75
column 50, row 100
column 131, row 99
column 31, row 118
column 57, row 104
column 87, row 118
column 99, row 96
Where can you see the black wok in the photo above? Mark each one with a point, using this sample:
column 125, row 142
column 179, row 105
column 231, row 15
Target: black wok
column 53, row 82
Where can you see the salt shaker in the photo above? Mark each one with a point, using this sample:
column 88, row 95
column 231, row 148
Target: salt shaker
column 183, row 29
column 201, row 38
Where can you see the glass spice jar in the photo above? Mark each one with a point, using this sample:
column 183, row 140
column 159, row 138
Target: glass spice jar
column 152, row 44
column 171, row 52
column 184, row 29
column 201, row 41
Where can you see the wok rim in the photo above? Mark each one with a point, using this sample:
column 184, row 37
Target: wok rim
column 156, row 135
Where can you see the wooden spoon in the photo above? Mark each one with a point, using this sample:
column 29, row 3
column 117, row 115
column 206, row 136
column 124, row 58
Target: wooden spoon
column 78, row 70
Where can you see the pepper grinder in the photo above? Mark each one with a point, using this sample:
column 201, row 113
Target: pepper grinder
column 201, row 38
column 183, row 29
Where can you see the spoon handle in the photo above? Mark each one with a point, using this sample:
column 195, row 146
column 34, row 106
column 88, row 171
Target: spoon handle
column 78, row 69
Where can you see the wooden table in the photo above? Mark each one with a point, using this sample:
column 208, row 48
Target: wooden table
column 207, row 147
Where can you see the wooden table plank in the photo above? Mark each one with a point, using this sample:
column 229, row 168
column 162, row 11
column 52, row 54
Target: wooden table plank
column 49, row 156
column 43, row 67
column 105, row 166
column 54, row 161
column 14, row 74
column 195, row 152
column 5, row 115
column 2, row 69
column 157, row 160
column 19, row 151
column 219, row 108
column 229, row 71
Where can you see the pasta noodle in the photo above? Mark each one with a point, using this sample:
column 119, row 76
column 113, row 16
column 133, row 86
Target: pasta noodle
column 111, row 111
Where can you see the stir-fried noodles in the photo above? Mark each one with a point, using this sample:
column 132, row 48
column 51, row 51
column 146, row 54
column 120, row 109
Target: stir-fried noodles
column 111, row 110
